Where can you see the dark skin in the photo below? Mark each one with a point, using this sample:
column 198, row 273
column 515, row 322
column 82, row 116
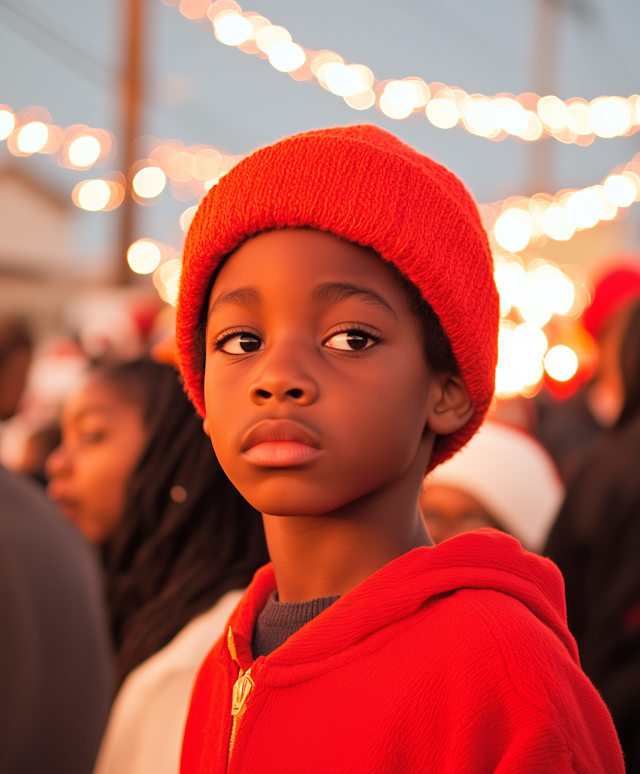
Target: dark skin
column 321, row 407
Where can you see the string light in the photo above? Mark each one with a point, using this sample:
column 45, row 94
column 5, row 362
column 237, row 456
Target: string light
column 527, row 116
column 518, row 222
column 144, row 256
column 30, row 131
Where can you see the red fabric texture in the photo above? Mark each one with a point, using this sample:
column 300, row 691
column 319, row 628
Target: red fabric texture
column 449, row 660
column 364, row 185
column 612, row 292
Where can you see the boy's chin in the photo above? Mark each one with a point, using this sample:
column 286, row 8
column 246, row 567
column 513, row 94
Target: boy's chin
column 288, row 502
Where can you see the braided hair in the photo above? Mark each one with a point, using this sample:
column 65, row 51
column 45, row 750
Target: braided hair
column 186, row 536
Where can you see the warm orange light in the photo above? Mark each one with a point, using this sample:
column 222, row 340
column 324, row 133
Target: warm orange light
column 442, row 113
column 561, row 363
column 7, row 123
column 84, row 151
column 94, row 195
column 609, row 116
column 144, row 256
column 286, row 56
column 232, row 29
column 149, row 182
column 553, row 112
column 621, row 190
column 32, row 137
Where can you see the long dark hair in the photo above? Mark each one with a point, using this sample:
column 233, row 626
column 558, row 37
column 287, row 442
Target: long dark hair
column 630, row 368
column 186, row 536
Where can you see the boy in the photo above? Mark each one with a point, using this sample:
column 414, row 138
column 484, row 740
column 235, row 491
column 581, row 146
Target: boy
column 337, row 330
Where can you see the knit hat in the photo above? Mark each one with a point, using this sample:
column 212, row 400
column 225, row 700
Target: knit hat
column 615, row 289
column 512, row 476
column 360, row 183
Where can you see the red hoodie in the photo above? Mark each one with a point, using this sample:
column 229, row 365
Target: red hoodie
column 449, row 659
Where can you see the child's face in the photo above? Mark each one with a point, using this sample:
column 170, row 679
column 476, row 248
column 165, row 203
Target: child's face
column 316, row 384
column 103, row 438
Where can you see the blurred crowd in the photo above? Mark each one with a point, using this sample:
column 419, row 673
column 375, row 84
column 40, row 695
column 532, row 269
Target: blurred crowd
column 124, row 547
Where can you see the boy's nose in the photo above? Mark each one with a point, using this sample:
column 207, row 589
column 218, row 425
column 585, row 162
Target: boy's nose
column 283, row 383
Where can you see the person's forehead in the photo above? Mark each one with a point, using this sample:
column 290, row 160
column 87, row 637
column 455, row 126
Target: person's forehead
column 94, row 397
column 303, row 261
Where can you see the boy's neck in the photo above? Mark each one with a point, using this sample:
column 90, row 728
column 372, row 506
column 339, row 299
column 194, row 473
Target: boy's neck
column 325, row 556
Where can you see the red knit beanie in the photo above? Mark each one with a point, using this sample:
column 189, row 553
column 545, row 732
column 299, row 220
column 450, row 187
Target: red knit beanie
column 360, row 183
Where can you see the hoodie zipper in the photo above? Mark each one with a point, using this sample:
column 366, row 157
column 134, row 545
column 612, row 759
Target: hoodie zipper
column 241, row 691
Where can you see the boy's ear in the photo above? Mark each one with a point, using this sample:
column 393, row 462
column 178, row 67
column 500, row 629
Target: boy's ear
column 452, row 407
column 205, row 426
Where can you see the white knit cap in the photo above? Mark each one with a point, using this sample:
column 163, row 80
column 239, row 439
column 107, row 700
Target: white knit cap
column 512, row 476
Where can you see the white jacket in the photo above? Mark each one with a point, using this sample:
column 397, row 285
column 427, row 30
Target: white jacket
column 146, row 724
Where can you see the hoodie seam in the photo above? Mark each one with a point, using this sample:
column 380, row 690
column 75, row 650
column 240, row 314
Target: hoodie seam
column 490, row 625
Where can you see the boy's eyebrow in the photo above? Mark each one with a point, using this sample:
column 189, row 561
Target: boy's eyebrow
column 338, row 291
column 247, row 296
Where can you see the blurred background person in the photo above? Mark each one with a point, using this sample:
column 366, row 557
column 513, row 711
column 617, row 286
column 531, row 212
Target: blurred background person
column 503, row 479
column 596, row 544
column 569, row 429
column 55, row 659
column 136, row 473
column 16, row 348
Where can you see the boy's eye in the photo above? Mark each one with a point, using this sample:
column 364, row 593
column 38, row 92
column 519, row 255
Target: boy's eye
column 241, row 343
column 350, row 340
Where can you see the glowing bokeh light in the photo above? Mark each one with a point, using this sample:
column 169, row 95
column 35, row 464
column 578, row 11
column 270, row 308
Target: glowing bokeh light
column 533, row 129
column 558, row 224
column 561, row 363
column 482, row 117
column 398, row 100
column 512, row 116
column 362, row 101
column 269, row 36
column 609, row 209
column 94, row 195
column 343, row 80
column 620, row 190
column 579, row 118
column 549, row 289
column 510, row 279
column 286, row 56
column 32, row 137
column 534, row 314
column 84, row 151
column 167, row 280
column 149, row 182
column 609, row 116
column 144, row 256
column 187, row 217
column 232, row 29
column 553, row 112
column 519, row 365
column 420, row 87
column 585, row 207
column 442, row 113
column 513, row 229
column 532, row 338
column 7, row 123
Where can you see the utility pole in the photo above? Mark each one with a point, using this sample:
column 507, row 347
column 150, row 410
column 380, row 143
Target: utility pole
column 131, row 91
column 545, row 69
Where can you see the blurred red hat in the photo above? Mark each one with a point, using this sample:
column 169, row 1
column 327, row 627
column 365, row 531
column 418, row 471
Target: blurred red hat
column 612, row 292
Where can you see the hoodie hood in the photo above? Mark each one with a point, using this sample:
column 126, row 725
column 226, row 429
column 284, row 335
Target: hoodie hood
column 485, row 559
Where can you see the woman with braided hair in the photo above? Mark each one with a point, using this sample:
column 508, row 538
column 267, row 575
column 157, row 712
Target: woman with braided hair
column 136, row 473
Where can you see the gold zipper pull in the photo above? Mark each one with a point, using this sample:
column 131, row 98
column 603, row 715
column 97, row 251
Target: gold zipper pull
column 241, row 690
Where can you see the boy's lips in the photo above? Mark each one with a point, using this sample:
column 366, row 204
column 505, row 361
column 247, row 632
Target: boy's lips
column 280, row 443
